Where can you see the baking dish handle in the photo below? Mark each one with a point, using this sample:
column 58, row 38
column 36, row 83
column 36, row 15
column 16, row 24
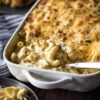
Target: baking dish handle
column 44, row 84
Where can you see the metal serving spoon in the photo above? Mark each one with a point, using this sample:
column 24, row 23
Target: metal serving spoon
column 24, row 98
column 92, row 65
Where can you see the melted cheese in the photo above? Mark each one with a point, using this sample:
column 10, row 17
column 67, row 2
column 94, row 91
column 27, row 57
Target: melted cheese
column 76, row 23
column 73, row 25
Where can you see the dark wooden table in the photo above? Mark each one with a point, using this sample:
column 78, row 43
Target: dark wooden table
column 60, row 94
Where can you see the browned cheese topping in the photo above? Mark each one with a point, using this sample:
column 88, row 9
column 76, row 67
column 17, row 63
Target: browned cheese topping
column 58, row 32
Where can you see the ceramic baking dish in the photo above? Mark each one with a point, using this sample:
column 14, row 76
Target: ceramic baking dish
column 48, row 79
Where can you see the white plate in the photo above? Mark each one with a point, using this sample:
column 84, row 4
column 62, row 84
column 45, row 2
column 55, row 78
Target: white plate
column 4, row 82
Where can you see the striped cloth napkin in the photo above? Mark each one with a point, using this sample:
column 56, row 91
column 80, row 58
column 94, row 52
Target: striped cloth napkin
column 8, row 24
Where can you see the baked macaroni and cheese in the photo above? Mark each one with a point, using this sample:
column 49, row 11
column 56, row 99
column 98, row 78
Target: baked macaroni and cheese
column 16, row 3
column 58, row 32
column 13, row 93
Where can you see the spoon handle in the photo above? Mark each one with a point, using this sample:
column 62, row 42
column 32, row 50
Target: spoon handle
column 94, row 65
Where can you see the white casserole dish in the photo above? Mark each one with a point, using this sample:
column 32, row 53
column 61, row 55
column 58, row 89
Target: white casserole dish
column 48, row 79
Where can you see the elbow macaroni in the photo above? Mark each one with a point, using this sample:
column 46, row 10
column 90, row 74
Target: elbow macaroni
column 51, row 56
column 13, row 93
column 60, row 32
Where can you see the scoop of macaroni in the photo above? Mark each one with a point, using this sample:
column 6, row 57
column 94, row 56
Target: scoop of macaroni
column 58, row 32
column 12, row 93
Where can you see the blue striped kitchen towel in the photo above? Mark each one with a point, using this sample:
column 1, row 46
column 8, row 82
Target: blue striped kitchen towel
column 8, row 24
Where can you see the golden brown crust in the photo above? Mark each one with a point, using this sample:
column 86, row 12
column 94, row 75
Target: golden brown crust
column 60, row 32
column 73, row 22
